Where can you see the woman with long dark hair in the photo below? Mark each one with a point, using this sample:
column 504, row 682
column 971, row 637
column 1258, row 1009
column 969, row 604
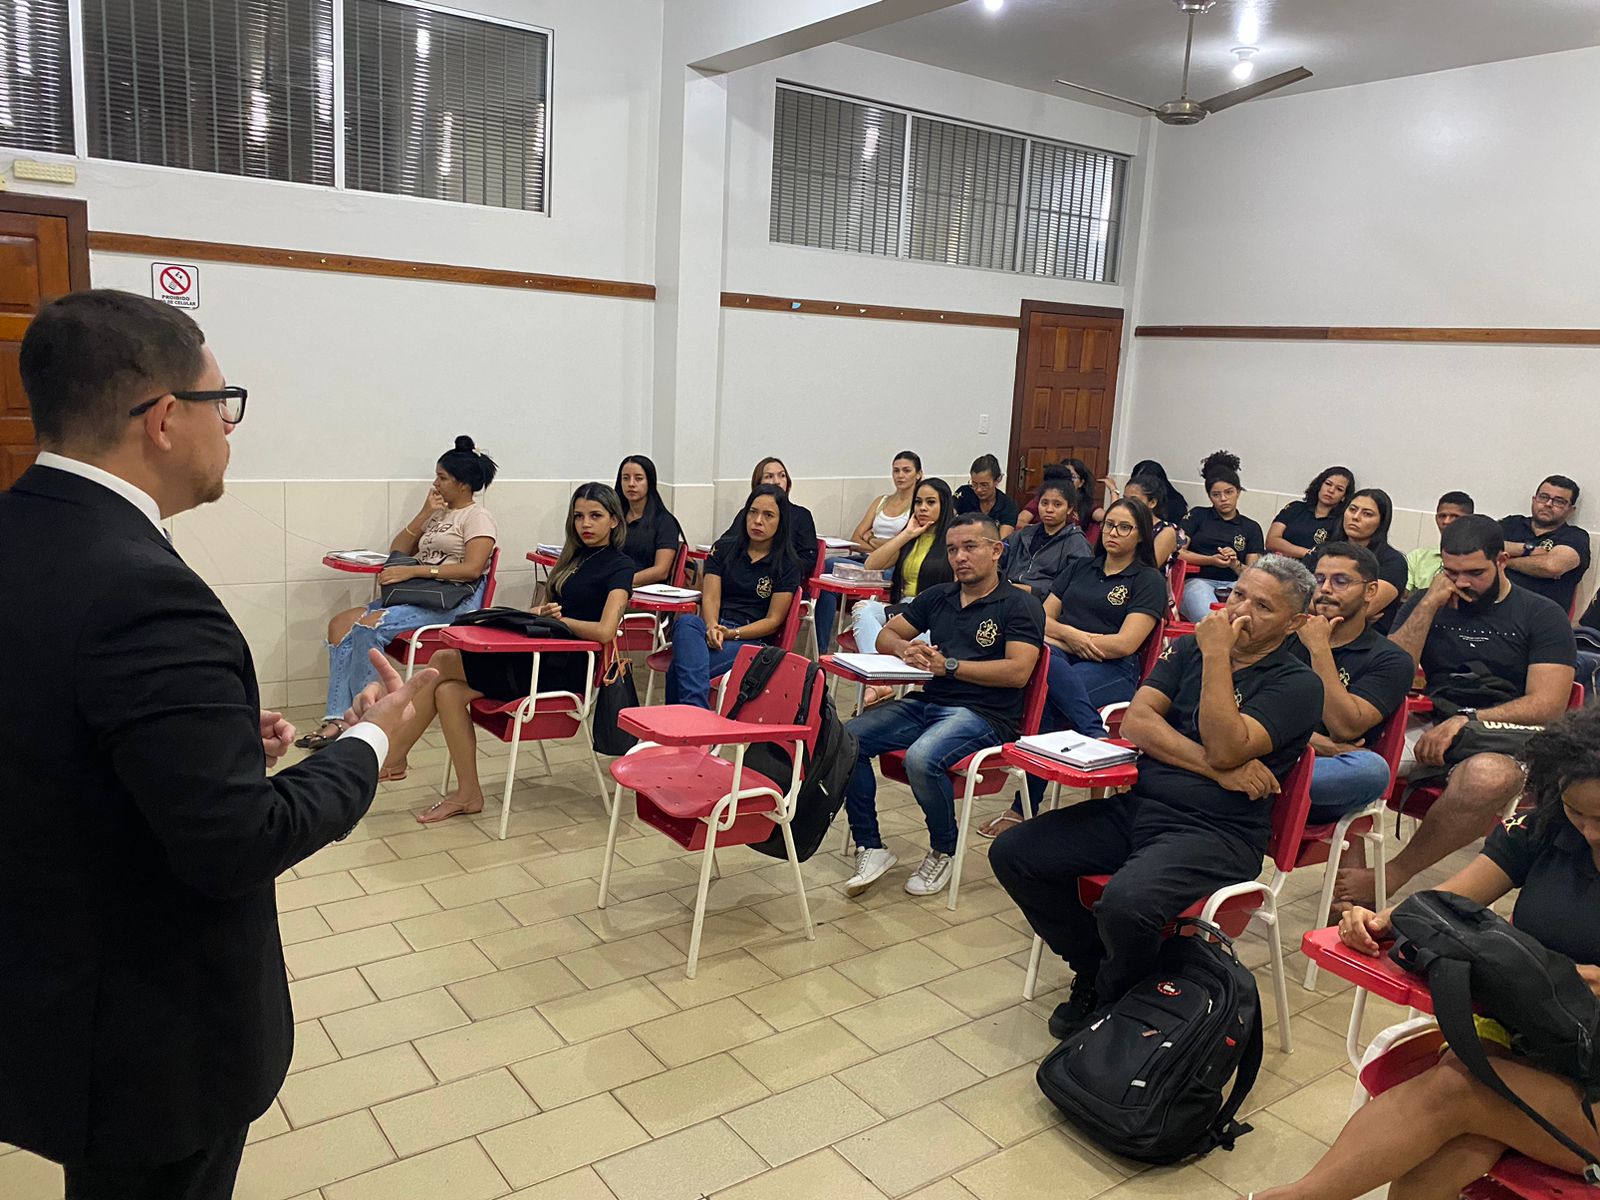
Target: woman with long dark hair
column 802, row 525
column 1222, row 540
column 748, row 587
column 1365, row 521
column 1038, row 552
column 1165, row 536
column 885, row 517
column 1303, row 525
column 653, row 533
column 1175, row 507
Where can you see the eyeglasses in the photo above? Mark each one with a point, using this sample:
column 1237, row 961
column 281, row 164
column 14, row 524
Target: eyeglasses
column 1552, row 501
column 1338, row 582
column 1119, row 530
column 229, row 402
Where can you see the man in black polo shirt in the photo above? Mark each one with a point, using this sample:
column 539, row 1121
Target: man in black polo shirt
column 1221, row 720
column 1544, row 552
column 985, row 640
column 1491, row 653
column 1364, row 676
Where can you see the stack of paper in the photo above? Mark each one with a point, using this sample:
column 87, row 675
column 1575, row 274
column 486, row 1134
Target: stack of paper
column 881, row 667
column 549, row 548
column 665, row 591
column 837, row 543
column 1078, row 750
column 363, row 558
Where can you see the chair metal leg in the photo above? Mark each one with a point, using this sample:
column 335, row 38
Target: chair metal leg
column 611, row 844
column 444, row 787
column 962, row 831
column 799, row 882
column 1325, row 898
column 1380, row 869
column 716, row 867
column 1031, row 983
column 1280, row 980
column 706, row 863
column 511, row 779
column 544, row 755
column 585, row 728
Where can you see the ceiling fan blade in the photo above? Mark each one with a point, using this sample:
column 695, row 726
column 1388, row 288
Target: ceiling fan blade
column 1106, row 95
column 1251, row 90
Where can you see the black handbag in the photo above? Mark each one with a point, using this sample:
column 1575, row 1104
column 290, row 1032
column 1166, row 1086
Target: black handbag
column 616, row 693
column 439, row 594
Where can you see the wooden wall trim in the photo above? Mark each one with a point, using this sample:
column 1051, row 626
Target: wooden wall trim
column 1454, row 335
column 351, row 264
column 867, row 312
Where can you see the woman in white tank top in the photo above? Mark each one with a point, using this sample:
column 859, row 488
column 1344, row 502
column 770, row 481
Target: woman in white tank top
column 887, row 515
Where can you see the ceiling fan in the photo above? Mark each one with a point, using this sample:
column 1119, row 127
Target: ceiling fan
column 1184, row 111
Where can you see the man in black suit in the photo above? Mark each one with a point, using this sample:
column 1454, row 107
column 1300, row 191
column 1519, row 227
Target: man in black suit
column 144, row 1008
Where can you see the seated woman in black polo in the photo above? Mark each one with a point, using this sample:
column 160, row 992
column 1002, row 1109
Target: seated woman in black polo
column 1097, row 620
column 1222, row 540
column 1304, row 525
column 748, row 586
column 1553, row 855
column 1366, row 522
column 653, row 532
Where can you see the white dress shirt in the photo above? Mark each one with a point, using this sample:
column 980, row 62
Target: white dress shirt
column 145, row 503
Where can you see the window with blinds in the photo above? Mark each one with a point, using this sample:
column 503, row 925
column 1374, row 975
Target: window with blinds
column 236, row 87
column 853, row 175
column 35, row 76
column 444, row 106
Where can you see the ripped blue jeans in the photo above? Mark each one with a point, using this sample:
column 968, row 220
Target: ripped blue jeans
column 349, row 667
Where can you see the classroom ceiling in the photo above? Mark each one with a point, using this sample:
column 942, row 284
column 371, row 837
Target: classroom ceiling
column 1135, row 47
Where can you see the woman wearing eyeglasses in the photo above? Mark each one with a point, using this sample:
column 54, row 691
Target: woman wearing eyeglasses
column 1097, row 618
column 452, row 538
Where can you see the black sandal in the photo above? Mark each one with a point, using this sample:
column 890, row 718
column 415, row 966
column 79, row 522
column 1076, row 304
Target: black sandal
column 319, row 740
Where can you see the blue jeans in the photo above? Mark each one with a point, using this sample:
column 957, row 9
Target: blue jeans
column 1079, row 689
column 349, row 668
column 867, row 620
column 826, row 609
column 1198, row 597
column 1344, row 783
column 935, row 737
column 695, row 664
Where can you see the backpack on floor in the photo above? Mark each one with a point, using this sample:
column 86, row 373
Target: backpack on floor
column 1145, row 1078
column 832, row 759
column 1468, row 954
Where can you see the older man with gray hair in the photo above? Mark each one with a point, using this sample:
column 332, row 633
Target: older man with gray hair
column 1221, row 720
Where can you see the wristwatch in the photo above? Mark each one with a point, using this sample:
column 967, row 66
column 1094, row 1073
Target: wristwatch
column 1470, row 714
column 433, row 572
column 1528, row 547
column 950, row 665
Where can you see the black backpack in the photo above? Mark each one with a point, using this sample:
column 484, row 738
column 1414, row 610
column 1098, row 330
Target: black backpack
column 1145, row 1077
column 1470, row 954
column 832, row 760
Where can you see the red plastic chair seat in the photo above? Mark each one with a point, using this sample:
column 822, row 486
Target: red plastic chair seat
column 676, row 790
column 428, row 645
column 990, row 783
column 1317, row 841
column 1233, row 915
column 847, row 642
column 554, row 717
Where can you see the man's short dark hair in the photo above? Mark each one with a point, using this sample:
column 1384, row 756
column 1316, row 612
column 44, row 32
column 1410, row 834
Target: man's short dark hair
column 1561, row 481
column 90, row 356
column 989, row 526
column 1471, row 534
column 1459, row 499
column 1365, row 560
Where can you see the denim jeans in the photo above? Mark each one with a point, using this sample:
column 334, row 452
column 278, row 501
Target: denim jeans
column 934, row 737
column 867, row 620
column 1079, row 689
column 349, row 667
column 1345, row 782
column 826, row 609
column 695, row 664
column 1198, row 597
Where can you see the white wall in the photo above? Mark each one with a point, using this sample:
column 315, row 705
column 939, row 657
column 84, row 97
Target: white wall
column 1458, row 198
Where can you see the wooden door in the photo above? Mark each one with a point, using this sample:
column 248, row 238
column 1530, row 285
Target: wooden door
column 1065, row 391
column 44, row 253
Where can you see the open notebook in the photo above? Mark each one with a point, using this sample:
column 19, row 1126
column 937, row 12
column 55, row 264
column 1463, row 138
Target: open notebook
column 665, row 591
column 1078, row 750
column 881, row 666
column 362, row 558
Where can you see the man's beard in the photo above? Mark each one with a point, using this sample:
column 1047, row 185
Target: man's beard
column 1484, row 602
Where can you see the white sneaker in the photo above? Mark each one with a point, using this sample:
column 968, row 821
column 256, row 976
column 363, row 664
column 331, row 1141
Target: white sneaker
column 870, row 866
column 930, row 878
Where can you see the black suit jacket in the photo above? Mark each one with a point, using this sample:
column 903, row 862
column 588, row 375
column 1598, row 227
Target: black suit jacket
column 144, row 1009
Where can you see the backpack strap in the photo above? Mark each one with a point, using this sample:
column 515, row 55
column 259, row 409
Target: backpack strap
column 1450, row 982
column 756, row 678
column 1225, row 1130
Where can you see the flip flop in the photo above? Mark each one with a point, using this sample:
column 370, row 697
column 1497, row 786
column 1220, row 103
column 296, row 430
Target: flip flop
column 319, row 741
column 999, row 824
column 393, row 774
column 443, row 811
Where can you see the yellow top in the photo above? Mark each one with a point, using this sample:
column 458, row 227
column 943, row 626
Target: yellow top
column 911, row 565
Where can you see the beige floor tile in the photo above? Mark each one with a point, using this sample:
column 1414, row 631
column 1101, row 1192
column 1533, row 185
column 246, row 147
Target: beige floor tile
column 606, row 1010
column 980, row 898
column 26, row 1176
column 628, row 918
column 313, row 1157
column 891, row 925
column 582, row 1184
column 344, row 950
column 1047, row 1165
column 518, row 987
column 301, row 925
column 323, row 995
column 1171, row 1183
column 798, row 1056
column 568, row 838
column 1269, row 1088
column 795, row 1123
column 365, row 911
column 564, row 868
column 901, row 1019
column 1008, row 1107
column 1275, row 1152
column 405, row 872
column 494, row 1042
column 534, row 942
column 982, row 990
column 1334, row 1014
column 269, row 1124
column 895, row 968
column 1316, row 1052
column 672, row 874
column 908, row 1078
column 994, row 1044
column 1319, row 1108
column 353, row 1083
column 550, row 903
column 453, row 1111
column 426, row 969
column 677, row 1099
column 686, row 1165
column 456, row 925
column 461, row 1171
column 980, row 941
column 613, row 962
column 718, row 976
column 525, row 850
column 390, row 1022
column 496, row 883
column 793, row 956
column 727, row 931
column 578, row 1072
column 562, row 1140
column 826, row 905
column 819, row 1175
column 699, row 1032
column 343, row 856
column 804, row 998
column 902, row 1155
column 944, row 1189
column 319, row 889
column 434, row 839
column 733, row 891
column 311, row 1047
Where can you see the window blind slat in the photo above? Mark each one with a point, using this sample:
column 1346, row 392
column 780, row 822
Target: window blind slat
column 836, row 173
column 35, row 77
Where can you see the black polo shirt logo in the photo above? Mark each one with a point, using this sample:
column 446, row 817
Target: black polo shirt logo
column 1239, row 543
column 764, row 587
column 1238, row 698
column 1319, row 537
column 1547, row 545
column 988, row 634
column 1166, row 652
column 1117, row 596
column 1514, row 822
column 1344, row 677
